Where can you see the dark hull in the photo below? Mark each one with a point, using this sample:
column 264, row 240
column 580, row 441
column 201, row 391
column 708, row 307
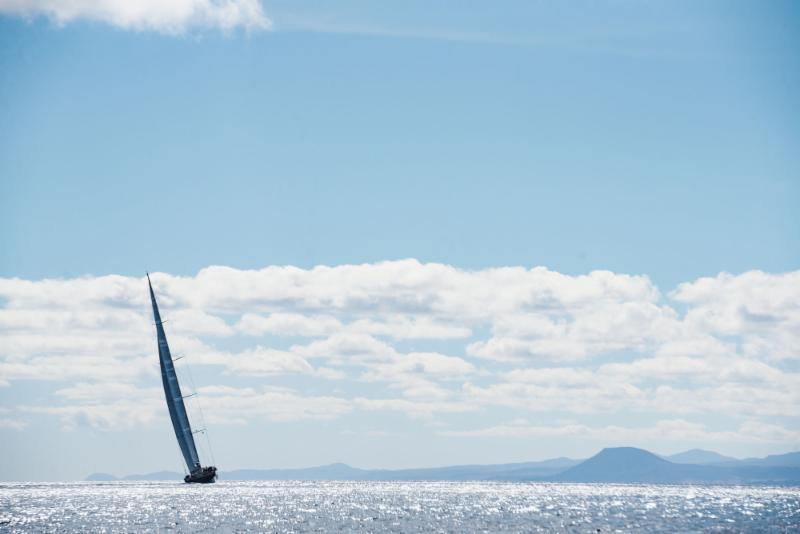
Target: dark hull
column 207, row 475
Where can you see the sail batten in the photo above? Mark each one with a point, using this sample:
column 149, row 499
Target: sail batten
column 172, row 391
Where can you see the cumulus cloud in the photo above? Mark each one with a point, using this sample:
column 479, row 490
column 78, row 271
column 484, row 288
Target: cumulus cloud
column 404, row 327
column 234, row 405
column 421, row 364
column 348, row 348
column 67, row 367
column 392, row 326
column 413, row 408
column 439, row 340
column 164, row 16
column 119, row 406
column 264, row 361
column 578, row 331
column 120, row 414
column 591, row 397
column 760, row 308
column 288, row 324
column 656, row 385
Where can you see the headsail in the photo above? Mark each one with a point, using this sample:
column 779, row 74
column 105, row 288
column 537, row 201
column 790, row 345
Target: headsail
column 172, row 390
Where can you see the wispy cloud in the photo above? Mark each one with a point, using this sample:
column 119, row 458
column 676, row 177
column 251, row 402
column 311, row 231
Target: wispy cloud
column 12, row 424
column 164, row 16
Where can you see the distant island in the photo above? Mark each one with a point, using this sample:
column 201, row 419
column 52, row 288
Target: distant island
column 611, row 465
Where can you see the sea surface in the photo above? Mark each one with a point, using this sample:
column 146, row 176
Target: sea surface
column 282, row 506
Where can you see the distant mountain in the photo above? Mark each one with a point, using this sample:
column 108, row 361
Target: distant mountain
column 790, row 459
column 619, row 465
column 631, row 465
column 699, row 456
column 516, row 471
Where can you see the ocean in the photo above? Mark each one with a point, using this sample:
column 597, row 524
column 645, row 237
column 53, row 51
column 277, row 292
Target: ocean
column 281, row 506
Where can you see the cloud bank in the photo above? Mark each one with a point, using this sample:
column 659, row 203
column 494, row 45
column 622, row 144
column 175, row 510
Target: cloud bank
column 713, row 360
column 163, row 16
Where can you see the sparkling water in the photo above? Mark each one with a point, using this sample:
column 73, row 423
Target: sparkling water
column 281, row 506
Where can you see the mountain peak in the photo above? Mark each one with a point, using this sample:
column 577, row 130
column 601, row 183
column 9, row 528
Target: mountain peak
column 626, row 464
column 626, row 454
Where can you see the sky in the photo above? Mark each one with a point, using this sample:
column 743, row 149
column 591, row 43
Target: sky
column 397, row 234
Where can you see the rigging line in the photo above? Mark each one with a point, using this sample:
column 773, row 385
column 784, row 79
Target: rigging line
column 210, row 450
column 185, row 364
column 200, row 409
column 182, row 378
column 203, row 422
column 181, row 461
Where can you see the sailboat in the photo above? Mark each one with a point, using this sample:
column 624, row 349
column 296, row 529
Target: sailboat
column 177, row 409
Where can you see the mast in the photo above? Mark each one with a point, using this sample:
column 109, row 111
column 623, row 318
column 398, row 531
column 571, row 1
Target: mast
column 172, row 391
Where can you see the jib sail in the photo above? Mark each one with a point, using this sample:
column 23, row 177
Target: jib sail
column 172, row 390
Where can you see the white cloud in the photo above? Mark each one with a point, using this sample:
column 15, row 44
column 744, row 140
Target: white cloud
column 118, row 406
column 420, row 364
column 420, row 375
column 413, row 408
column 232, row 405
column 102, row 391
column 405, row 327
column 348, row 348
column 107, row 415
column 392, row 326
column 330, row 374
column 781, row 399
column 262, row 361
column 762, row 309
column 676, row 385
column 288, row 324
column 702, row 370
column 403, row 288
column 578, row 332
column 524, row 340
column 71, row 367
column 165, row 16
column 590, row 398
column 194, row 322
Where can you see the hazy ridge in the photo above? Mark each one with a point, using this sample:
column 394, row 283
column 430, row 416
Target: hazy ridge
column 619, row 464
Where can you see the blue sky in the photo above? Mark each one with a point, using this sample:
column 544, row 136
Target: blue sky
column 652, row 139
